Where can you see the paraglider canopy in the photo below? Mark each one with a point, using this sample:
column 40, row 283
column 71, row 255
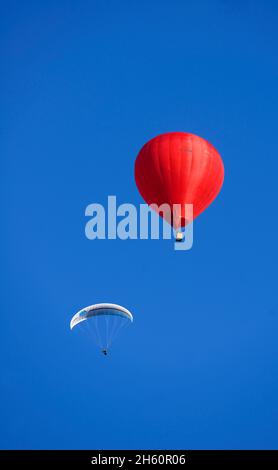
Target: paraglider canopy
column 100, row 309
column 104, row 321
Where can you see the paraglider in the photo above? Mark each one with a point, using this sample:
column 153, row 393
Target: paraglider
column 178, row 168
column 103, row 322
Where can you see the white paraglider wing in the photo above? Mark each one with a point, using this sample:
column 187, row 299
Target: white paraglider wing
column 104, row 321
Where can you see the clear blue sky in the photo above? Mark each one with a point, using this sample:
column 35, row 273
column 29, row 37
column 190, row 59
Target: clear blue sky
column 83, row 86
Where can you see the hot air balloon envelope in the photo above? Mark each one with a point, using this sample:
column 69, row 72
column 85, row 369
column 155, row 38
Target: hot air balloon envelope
column 178, row 168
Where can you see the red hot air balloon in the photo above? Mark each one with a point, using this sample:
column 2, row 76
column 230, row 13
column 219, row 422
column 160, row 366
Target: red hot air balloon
column 178, row 168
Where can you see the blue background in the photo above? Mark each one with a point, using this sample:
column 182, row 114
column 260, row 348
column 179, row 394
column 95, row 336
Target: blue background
column 83, row 86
